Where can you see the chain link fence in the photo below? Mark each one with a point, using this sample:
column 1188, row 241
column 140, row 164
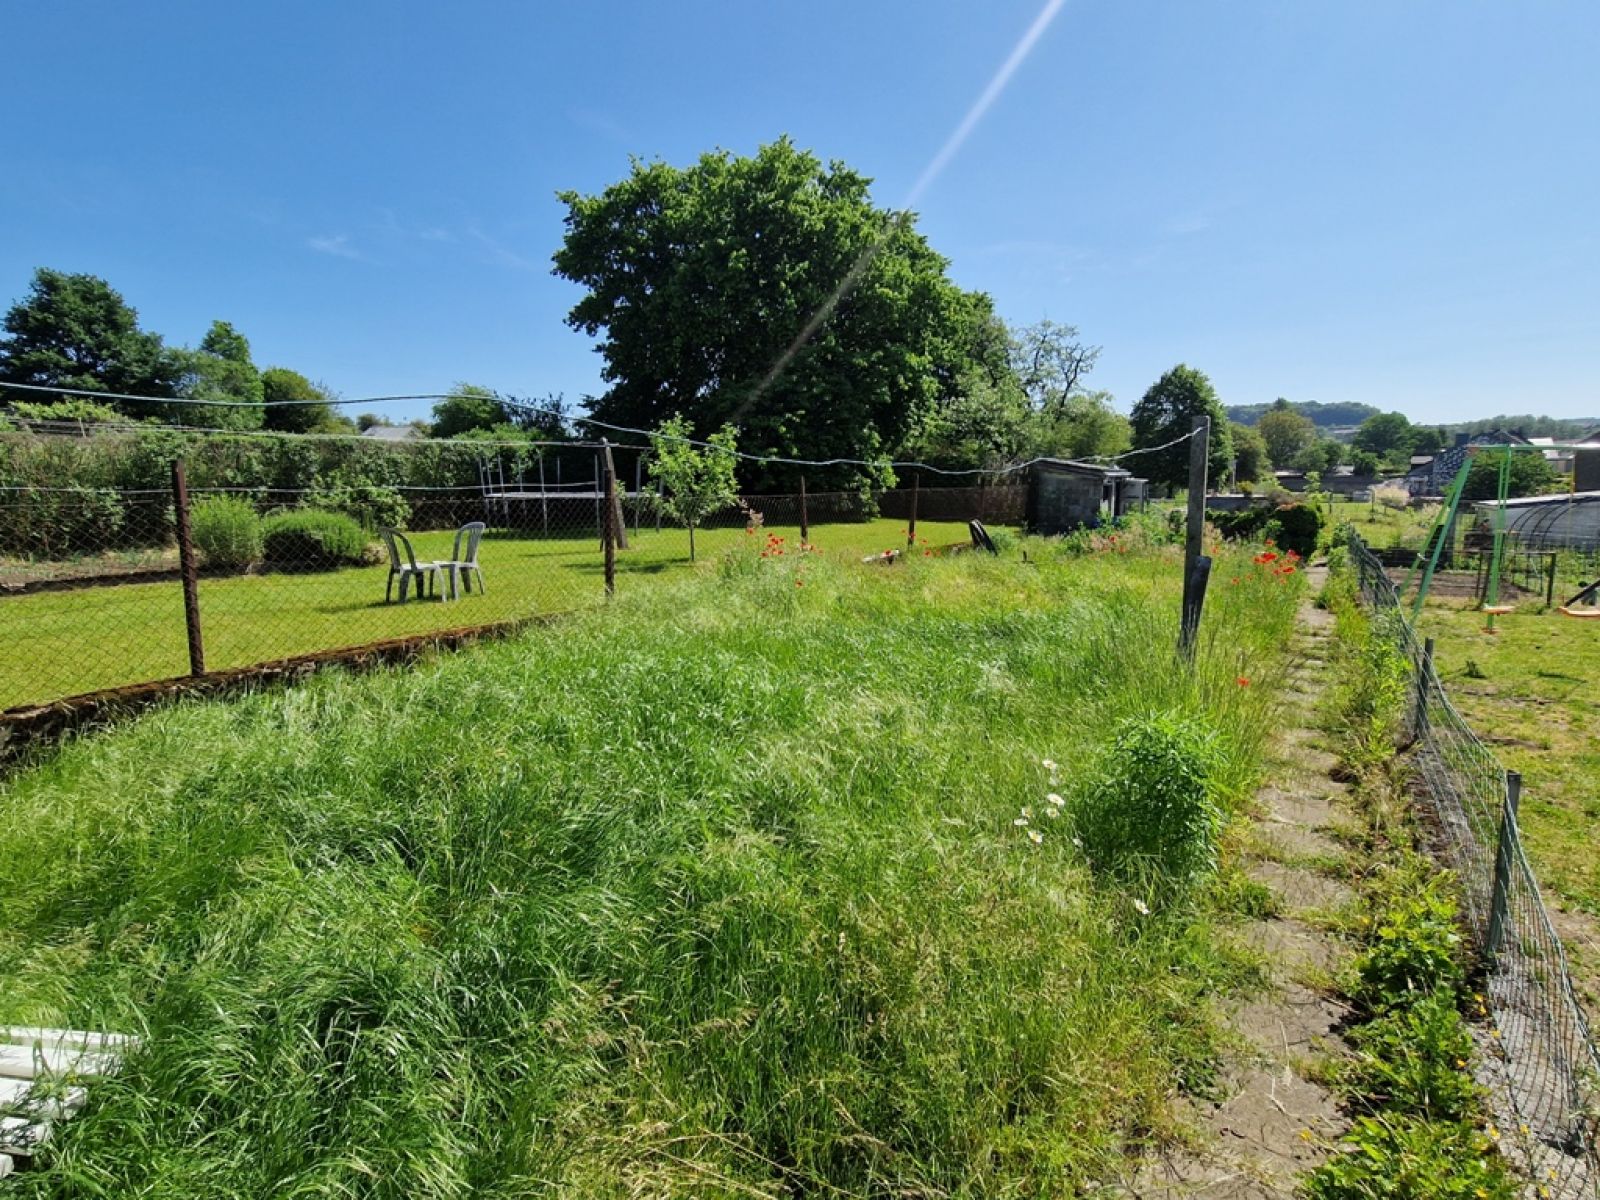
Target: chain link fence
column 104, row 589
column 1544, row 1070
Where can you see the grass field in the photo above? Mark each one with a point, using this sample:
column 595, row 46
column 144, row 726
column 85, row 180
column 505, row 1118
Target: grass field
column 64, row 643
column 1531, row 691
column 720, row 891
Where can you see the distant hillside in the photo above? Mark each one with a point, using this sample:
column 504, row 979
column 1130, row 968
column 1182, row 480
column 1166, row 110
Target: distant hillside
column 1324, row 416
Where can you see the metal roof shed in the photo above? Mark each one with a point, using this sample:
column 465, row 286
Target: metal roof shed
column 1064, row 495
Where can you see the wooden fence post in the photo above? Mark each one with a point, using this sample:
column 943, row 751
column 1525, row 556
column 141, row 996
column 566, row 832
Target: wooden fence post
column 911, row 526
column 608, row 534
column 1499, row 903
column 1194, row 537
column 805, row 522
column 190, row 570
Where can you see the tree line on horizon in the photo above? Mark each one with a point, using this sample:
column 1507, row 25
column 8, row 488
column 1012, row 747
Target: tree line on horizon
column 766, row 293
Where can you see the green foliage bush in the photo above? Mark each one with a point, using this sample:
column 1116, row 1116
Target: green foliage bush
column 1412, row 1060
column 1405, row 1158
column 62, row 522
column 227, row 531
column 1292, row 526
column 1413, row 947
column 312, row 539
column 1151, row 810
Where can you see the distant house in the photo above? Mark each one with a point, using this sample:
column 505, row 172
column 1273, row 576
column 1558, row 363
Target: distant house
column 1560, row 460
column 1431, row 474
column 391, row 433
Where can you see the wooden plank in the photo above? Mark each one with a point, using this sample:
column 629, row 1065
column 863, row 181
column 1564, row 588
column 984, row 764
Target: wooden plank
column 28, row 1035
column 17, row 1099
column 20, row 1136
column 26, row 1062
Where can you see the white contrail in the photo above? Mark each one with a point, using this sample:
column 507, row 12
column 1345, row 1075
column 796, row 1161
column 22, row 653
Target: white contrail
column 984, row 102
column 952, row 145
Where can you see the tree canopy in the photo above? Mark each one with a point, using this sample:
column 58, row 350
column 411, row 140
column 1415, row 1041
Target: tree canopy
column 469, row 407
column 76, row 331
column 302, row 406
column 1166, row 412
column 1286, row 433
column 1249, row 452
column 770, row 293
column 219, row 371
column 1384, row 434
column 1531, row 475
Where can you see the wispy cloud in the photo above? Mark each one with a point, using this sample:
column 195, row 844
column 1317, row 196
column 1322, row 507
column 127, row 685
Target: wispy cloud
column 501, row 254
column 600, row 123
column 336, row 244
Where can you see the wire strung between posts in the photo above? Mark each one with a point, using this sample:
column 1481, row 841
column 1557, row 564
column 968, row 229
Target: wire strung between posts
column 534, row 409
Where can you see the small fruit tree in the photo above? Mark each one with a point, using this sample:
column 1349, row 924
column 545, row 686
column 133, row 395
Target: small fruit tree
column 697, row 481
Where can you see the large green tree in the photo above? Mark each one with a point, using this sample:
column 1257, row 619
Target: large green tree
column 1249, row 452
column 296, row 405
column 76, row 331
column 770, row 293
column 1286, row 432
column 218, row 375
column 1384, row 434
column 1167, row 412
column 1083, row 426
column 469, row 407
column 1531, row 475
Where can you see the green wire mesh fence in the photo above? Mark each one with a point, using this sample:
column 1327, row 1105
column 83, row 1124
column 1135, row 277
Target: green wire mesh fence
column 1544, row 1072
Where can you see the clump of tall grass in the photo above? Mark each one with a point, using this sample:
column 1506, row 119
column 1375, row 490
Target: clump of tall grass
column 227, row 531
column 714, row 893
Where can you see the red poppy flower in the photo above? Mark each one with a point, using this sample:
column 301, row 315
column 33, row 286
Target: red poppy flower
column 1242, row 681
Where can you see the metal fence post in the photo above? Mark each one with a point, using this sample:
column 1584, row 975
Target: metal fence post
column 911, row 526
column 1194, row 535
column 805, row 522
column 190, row 570
column 608, row 530
column 1424, row 681
column 1500, row 900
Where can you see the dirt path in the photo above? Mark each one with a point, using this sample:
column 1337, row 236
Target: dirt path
column 1267, row 1131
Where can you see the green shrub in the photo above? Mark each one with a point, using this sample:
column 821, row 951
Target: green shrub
column 1152, row 809
column 372, row 505
column 63, row 522
column 1413, row 947
column 227, row 531
column 1292, row 526
column 1413, row 1061
column 312, row 539
column 1404, row 1158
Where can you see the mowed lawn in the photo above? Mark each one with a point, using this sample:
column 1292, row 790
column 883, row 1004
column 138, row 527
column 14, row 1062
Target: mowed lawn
column 65, row 643
column 749, row 885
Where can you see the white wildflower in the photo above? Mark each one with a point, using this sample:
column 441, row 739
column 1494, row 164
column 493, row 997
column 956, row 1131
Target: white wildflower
column 1047, row 764
column 1020, row 821
column 1052, row 813
column 1144, row 909
column 1055, row 800
column 1035, row 836
column 1026, row 811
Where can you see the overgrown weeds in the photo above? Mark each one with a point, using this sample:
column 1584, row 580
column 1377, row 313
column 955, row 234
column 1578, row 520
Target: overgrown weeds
column 1419, row 1129
column 717, row 893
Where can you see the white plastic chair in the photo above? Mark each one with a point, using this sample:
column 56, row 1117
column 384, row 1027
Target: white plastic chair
column 406, row 567
column 465, row 566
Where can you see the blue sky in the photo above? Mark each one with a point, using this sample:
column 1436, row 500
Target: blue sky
column 1393, row 202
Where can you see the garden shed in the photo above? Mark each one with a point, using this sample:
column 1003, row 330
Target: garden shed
column 1064, row 495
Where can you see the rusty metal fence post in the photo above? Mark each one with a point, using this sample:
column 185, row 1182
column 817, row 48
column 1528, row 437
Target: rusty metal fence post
column 805, row 522
column 608, row 530
column 189, row 569
column 911, row 526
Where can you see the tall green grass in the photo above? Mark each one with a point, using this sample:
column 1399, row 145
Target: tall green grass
column 715, row 893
